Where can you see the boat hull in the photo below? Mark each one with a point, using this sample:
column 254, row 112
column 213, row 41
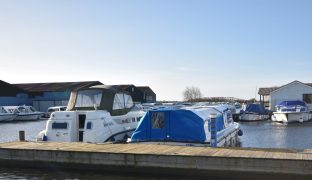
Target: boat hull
column 253, row 117
column 287, row 117
column 7, row 117
column 229, row 140
column 27, row 117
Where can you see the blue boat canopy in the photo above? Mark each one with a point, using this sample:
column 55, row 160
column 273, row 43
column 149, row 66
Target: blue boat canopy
column 292, row 103
column 177, row 125
column 256, row 108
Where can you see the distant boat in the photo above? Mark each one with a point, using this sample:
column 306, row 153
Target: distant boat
column 5, row 115
column 189, row 126
column 291, row 111
column 24, row 113
column 254, row 112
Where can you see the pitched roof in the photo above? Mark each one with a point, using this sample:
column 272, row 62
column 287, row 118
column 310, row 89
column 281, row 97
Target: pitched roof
column 56, row 86
column 9, row 89
column 267, row 90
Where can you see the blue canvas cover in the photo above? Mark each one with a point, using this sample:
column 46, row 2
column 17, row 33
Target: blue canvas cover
column 256, row 108
column 292, row 103
column 292, row 106
column 178, row 126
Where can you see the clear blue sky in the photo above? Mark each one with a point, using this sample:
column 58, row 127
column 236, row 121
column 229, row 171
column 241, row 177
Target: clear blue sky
column 224, row 47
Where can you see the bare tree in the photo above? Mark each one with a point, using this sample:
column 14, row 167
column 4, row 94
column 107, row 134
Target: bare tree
column 191, row 93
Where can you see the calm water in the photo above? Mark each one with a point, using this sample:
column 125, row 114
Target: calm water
column 265, row 134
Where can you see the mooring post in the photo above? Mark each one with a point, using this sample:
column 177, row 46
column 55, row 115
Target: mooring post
column 213, row 139
column 22, row 135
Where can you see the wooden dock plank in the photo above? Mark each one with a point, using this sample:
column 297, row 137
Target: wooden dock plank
column 159, row 149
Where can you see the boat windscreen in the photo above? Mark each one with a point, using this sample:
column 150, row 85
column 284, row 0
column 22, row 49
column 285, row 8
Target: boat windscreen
column 88, row 98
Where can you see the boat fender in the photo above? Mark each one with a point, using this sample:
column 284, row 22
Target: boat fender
column 240, row 132
column 44, row 138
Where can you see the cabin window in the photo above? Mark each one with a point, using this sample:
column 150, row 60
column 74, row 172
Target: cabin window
column 128, row 101
column 58, row 125
column 118, row 102
column 307, row 98
column 88, row 98
column 133, row 119
column 138, row 119
column 122, row 101
column 158, row 120
column 89, row 125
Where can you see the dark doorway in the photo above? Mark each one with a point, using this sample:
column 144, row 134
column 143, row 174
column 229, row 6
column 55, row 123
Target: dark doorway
column 82, row 120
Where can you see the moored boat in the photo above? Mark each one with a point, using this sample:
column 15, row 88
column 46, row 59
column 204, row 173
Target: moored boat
column 254, row 112
column 291, row 111
column 187, row 126
column 24, row 113
column 97, row 114
column 5, row 115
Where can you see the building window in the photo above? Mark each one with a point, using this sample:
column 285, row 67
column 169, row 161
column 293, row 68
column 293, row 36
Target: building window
column 158, row 120
column 57, row 125
column 149, row 98
column 307, row 98
column 89, row 125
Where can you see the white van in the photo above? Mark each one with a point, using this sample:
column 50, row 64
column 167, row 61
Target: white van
column 55, row 108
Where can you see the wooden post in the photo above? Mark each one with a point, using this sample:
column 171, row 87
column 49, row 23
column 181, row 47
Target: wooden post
column 213, row 131
column 21, row 135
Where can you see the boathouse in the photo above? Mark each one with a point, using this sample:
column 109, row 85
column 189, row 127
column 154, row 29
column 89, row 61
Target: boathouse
column 12, row 95
column 296, row 90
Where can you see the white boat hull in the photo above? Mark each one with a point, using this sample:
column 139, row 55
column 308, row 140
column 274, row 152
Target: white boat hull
column 27, row 117
column 287, row 117
column 102, row 127
column 253, row 117
column 7, row 117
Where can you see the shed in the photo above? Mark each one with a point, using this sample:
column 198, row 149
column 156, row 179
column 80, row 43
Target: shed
column 296, row 90
column 12, row 95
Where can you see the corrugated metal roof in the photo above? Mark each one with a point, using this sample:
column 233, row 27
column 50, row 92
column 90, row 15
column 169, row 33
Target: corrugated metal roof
column 7, row 89
column 56, row 86
column 267, row 90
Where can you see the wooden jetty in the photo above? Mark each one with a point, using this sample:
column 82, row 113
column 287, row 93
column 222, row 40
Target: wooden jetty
column 160, row 159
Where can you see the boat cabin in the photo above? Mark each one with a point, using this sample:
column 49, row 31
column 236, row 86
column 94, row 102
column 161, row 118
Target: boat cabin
column 93, row 114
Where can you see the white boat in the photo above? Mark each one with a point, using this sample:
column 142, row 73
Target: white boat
column 291, row 111
column 5, row 115
column 254, row 112
column 97, row 114
column 24, row 113
column 190, row 126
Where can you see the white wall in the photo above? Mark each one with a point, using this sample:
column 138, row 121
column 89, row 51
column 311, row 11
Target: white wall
column 292, row 91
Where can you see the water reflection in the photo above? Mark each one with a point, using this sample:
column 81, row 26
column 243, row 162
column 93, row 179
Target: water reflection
column 268, row 134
